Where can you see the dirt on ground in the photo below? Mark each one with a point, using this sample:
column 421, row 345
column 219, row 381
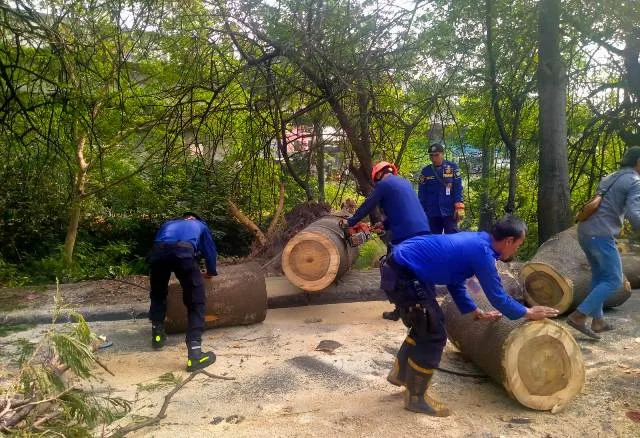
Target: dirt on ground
column 84, row 293
column 320, row 371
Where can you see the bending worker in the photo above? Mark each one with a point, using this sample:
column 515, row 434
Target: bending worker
column 177, row 247
column 409, row 274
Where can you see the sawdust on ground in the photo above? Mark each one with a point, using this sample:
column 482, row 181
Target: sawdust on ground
column 284, row 387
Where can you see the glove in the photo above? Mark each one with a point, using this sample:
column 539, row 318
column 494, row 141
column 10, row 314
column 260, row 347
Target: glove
column 458, row 214
column 343, row 224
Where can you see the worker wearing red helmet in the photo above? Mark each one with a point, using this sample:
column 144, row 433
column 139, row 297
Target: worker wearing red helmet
column 404, row 216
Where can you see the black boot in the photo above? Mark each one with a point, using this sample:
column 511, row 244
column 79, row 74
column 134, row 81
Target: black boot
column 158, row 335
column 394, row 375
column 398, row 374
column 196, row 359
column 416, row 398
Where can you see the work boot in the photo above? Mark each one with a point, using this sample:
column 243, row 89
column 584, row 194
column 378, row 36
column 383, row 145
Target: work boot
column 394, row 375
column 196, row 359
column 158, row 335
column 393, row 315
column 416, row 398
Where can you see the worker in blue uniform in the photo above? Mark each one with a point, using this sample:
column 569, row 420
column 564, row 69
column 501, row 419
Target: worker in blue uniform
column 177, row 247
column 409, row 275
column 440, row 192
column 403, row 216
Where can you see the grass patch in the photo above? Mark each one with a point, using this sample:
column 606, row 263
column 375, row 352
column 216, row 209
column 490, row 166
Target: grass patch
column 18, row 298
column 6, row 330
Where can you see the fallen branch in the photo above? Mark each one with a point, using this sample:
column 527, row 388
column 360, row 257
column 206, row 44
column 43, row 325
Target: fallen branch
column 244, row 219
column 163, row 410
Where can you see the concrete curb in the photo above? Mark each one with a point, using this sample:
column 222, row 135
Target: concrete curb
column 353, row 287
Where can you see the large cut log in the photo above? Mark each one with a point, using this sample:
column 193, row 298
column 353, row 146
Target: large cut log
column 508, row 273
column 630, row 255
column 318, row 255
column 237, row 296
column 559, row 275
column 537, row 362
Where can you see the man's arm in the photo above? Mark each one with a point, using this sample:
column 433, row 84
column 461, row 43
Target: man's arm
column 461, row 297
column 632, row 205
column 208, row 250
column 367, row 206
column 492, row 287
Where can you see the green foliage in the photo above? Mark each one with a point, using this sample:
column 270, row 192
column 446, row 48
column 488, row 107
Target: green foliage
column 165, row 380
column 68, row 410
column 370, row 252
column 6, row 329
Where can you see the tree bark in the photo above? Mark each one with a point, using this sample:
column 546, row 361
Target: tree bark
column 76, row 202
column 559, row 275
column 238, row 296
column 319, row 149
column 554, row 208
column 538, row 363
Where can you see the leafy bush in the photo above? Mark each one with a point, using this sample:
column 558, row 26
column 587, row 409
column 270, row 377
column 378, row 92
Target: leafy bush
column 370, row 252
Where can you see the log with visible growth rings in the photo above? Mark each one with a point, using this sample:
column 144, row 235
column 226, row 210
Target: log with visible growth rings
column 537, row 362
column 238, row 296
column 559, row 275
column 318, row 255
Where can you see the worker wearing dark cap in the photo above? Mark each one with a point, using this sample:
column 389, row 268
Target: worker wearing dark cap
column 177, row 247
column 440, row 192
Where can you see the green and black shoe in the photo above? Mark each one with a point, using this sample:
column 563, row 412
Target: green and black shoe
column 198, row 360
column 158, row 336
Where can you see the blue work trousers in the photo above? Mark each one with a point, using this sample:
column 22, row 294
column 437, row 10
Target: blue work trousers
column 440, row 224
column 606, row 272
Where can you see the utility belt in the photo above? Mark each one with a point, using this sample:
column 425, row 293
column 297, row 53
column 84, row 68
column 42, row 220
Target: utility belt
column 178, row 244
column 180, row 249
column 401, row 285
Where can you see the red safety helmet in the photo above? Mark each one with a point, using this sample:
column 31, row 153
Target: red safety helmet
column 382, row 165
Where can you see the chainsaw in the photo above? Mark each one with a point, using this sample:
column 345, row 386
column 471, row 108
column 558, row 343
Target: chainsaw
column 360, row 233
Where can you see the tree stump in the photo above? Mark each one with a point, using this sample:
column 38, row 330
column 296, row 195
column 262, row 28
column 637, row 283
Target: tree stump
column 237, row 296
column 318, row 255
column 559, row 275
column 537, row 362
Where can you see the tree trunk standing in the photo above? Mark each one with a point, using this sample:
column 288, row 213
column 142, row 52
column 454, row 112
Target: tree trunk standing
column 508, row 140
column 554, row 211
column 486, row 204
column 76, row 200
column 319, row 148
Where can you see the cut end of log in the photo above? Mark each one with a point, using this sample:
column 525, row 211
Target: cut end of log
column 311, row 261
column 543, row 365
column 544, row 286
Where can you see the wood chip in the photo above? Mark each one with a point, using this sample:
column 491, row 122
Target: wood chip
column 328, row 345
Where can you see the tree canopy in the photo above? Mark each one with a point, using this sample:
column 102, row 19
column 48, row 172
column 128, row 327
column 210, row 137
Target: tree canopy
column 119, row 115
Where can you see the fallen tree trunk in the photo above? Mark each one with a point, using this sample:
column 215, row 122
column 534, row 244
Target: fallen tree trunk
column 559, row 275
column 508, row 276
column 630, row 255
column 238, row 296
column 318, row 255
column 538, row 363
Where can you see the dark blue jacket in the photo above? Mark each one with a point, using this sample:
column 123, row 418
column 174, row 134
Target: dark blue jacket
column 194, row 232
column 404, row 217
column 452, row 258
column 432, row 190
